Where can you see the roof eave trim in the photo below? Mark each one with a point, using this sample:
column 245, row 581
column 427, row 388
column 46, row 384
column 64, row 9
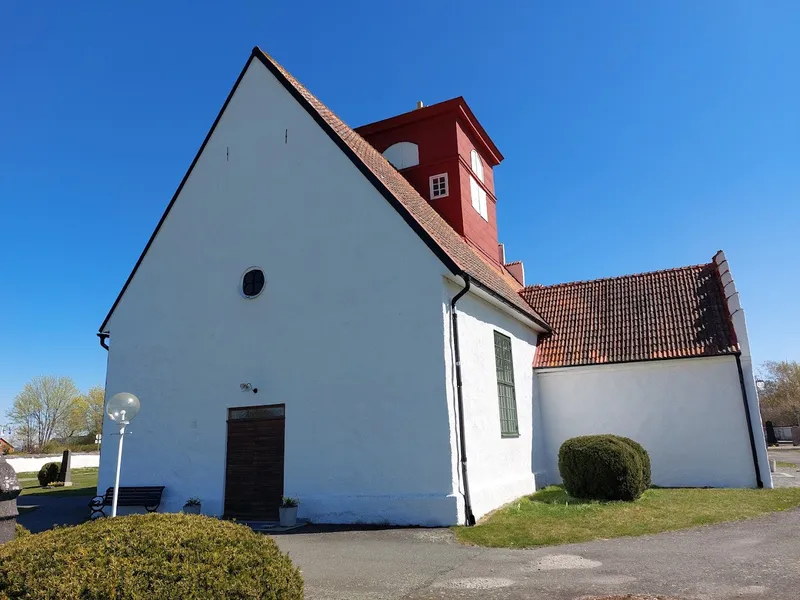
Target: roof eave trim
column 543, row 368
column 102, row 329
column 357, row 162
column 446, row 259
column 480, row 132
column 530, row 315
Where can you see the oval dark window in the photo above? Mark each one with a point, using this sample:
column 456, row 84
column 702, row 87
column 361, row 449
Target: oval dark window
column 253, row 283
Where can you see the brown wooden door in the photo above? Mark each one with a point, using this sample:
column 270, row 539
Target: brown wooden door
column 254, row 467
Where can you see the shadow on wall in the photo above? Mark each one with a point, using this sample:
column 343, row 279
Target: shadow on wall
column 539, row 459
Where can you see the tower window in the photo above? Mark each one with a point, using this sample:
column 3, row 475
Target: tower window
column 478, row 198
column 477, row 164
column 439, row 186
column 402, row 155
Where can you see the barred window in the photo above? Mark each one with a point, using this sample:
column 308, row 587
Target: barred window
column 505, row 385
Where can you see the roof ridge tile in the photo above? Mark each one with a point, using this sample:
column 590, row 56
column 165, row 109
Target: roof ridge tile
column 617, row 277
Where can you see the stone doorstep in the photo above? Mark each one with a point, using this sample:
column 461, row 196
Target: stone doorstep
column 273, row 526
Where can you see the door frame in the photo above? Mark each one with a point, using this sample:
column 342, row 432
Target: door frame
column 228, row 410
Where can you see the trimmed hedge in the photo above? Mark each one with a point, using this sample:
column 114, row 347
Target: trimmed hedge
column 645, row 458
column 20, row 531
column 601, row 467
column 156, row 556
column 48, row 473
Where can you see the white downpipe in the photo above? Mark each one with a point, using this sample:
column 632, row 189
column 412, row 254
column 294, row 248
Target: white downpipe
column 119, row 464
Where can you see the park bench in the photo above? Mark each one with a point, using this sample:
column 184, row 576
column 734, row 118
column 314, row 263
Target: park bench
column 148, row 497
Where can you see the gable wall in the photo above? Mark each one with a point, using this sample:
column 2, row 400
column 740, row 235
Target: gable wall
column 348, row 332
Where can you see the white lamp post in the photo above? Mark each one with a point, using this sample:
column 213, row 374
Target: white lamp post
column 122, row 408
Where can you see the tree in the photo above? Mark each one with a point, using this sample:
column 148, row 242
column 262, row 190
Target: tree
column 74, row 421
column 780, row 395
column 91, row 407
column 43, row 405
column 86, row 415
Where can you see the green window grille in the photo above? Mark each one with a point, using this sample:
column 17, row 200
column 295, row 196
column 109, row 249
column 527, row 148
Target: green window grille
column 505, row 385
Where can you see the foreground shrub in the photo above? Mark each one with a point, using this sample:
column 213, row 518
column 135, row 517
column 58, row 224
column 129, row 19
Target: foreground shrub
column 645, row 458
column 48, row 473
column 20, row 531
column 601, row 467
column 148, row 557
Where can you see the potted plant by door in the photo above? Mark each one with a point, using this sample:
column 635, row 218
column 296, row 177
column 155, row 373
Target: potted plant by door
column 288, row 512
column 192, row 506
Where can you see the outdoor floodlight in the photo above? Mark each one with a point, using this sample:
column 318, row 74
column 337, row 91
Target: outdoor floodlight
column 122, row 408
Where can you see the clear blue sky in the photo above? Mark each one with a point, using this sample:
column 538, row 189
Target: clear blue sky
column 637, row 135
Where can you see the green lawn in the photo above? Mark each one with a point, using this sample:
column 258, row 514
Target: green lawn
column 781, row 463
column 551, row 517
column 84, row 483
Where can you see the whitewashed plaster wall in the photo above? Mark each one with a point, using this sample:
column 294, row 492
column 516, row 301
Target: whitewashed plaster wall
column 348, row 332
column 687, row 413
column 499, row 469
column 28, row 464
column 733, row 299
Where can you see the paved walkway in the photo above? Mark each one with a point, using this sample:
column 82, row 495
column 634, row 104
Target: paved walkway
column 759, row 558
column 786, row 454
column 786, row 476
column 752, row 559
column 53, row 510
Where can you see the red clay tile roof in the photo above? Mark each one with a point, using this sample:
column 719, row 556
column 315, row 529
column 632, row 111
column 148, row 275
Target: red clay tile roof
column 664, row 314
column 415, row 206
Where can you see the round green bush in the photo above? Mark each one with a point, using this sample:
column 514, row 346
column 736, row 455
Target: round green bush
column 645, row 458
column 48, row 473
column 148, row 557
column 601, row 467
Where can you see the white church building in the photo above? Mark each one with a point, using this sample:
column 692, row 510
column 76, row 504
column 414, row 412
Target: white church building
column 327, row 313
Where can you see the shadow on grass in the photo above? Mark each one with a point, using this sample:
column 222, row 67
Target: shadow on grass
column 557, row 495
column 60, row 492
column 84, row 483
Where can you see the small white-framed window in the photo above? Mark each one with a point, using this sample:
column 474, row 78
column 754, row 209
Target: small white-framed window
column 439, row 188
column 478, row 198
column 477, row 164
